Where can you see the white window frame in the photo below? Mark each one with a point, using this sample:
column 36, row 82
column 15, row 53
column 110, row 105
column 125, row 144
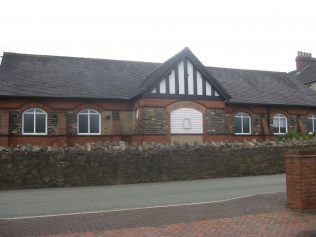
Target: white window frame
column 279, row 117
column 88, row 113
column 34, row 113
column 313, row 118
column 242, row 115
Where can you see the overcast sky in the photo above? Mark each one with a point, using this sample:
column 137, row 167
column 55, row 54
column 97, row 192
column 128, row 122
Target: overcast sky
column 239, row 34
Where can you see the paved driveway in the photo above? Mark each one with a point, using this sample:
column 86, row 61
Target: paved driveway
column 258, row 215
column 21, row 203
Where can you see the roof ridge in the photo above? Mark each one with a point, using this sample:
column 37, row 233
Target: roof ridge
column 74, row 57
column 242, row 69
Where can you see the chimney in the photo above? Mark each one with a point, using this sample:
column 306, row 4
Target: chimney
column 303, row 59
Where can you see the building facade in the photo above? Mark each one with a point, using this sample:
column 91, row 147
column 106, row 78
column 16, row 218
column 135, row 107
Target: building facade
column 65, row 100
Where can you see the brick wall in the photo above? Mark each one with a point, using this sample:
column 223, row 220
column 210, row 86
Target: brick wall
column 118, row 119
column 301, row 179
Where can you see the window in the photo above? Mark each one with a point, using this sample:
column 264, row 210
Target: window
column 279, row 124
column 34, row 122
column 89, row 122
column 242, row 123
column 312, row 124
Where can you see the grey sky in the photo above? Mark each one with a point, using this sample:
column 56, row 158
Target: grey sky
column 239, row 34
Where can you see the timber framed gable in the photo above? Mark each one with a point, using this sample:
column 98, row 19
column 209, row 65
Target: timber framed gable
column 184, row 76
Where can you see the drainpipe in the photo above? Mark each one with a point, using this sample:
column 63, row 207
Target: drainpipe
column 269, row 108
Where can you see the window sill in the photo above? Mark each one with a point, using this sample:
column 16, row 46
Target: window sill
column 88, row 134
column 34, row 134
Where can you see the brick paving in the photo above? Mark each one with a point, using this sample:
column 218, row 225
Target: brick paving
column 260, row 215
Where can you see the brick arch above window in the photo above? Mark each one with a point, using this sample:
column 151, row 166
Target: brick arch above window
column 27, row 106
column 311, row 112
column 283, row 112
column 87, row 106
column 186, row 104
column 235, row 111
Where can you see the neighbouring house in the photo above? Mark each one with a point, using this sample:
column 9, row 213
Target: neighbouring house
column 305, row 69
column 67, row 100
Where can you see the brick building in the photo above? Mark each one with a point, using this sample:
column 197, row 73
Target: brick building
column 68, row 100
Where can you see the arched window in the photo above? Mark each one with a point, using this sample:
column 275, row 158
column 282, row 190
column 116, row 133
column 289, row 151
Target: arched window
column 312, row 124
column 34, row 122
column 242, row 123
column 89, row 122
column 279, row 124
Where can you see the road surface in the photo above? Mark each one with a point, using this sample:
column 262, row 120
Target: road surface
column 52, row 201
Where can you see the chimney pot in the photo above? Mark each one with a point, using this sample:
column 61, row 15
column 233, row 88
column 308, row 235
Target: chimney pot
column 304, row 59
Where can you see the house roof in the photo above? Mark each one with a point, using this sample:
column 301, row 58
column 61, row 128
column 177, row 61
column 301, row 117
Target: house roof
column 307, row 75
column 70, row 77
column 54, row 76
column 264, row 87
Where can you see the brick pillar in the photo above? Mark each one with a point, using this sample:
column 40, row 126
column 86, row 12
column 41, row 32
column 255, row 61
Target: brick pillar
column 301, row 179
column 4, row 128
column 301, row 126
column 61, row 125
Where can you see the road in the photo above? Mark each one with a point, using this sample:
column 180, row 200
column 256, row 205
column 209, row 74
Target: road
column 25, row 203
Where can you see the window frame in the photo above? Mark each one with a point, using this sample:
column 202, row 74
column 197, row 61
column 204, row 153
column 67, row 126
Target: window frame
column 279, row 116
column 313, row 118
column 241, row 115
column 89, row 127
column 34, row 133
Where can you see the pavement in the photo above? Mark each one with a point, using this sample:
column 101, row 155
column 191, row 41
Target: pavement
column 264, row 214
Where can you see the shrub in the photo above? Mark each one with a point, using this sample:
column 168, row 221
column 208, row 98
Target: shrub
column 296, row 136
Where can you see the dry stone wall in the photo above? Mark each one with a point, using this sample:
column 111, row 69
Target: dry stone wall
column 122, row 163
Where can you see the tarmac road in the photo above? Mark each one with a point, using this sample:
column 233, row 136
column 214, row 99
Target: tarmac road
column 52, row 201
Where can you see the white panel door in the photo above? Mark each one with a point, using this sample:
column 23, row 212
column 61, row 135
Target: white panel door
column 186, row 121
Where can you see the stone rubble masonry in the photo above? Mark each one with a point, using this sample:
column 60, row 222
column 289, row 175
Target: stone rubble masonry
column 216, row 121
column 119, row 162
column 301, row 179
column 154, row 120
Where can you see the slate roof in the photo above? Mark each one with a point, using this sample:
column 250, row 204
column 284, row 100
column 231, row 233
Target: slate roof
column 264, row 87
column 54, row 76
column 70, row 77
column 307, row 75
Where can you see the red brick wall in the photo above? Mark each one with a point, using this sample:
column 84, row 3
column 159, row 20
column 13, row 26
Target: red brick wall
column 58, row 131
column 4, row 128
column 301, row 179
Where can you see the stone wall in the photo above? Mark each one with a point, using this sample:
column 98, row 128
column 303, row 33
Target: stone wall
column 119, row 163
column 154, row 120
column 216, row 121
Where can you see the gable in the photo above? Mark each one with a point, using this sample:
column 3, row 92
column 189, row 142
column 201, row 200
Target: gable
column 184, row 79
